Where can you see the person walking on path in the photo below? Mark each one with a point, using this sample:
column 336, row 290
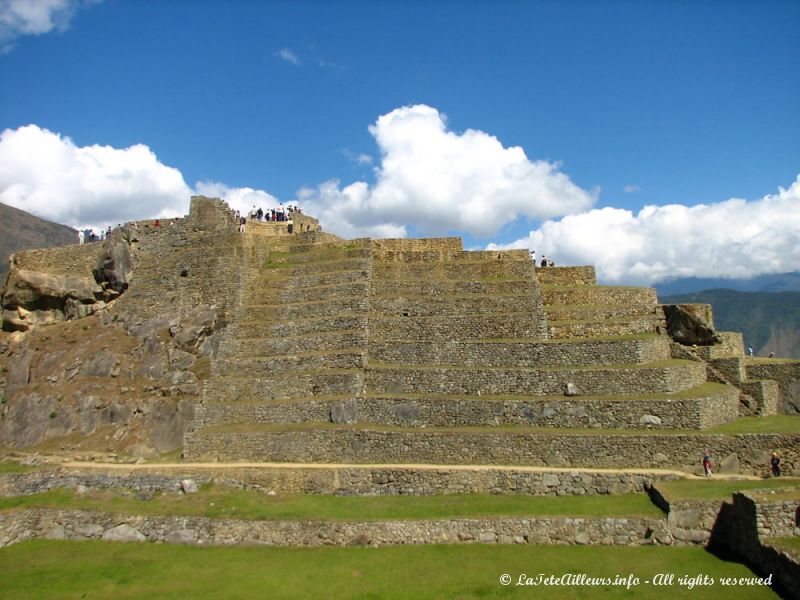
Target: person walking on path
column 707, row 466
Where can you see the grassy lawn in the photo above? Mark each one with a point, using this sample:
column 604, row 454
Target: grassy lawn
column 711, row 489
column 792, row 495
column 15, row 467
column 790, row 545
column 218, row 502
column 59, row 569
column 769, row 424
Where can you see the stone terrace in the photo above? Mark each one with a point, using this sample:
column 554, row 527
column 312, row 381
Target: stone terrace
column 430, row 352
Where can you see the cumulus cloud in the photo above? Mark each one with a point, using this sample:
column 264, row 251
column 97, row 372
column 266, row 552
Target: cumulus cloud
column 288, row 56
column 241, row 199
column 49, row 176
column 35, row 17
column 328, row 203
column 438, row 180
column 731, row 239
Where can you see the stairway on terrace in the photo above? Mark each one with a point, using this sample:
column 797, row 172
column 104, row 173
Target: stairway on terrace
column 415, row 351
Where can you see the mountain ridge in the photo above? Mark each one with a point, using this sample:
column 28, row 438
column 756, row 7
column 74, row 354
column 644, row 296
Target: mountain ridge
column 769, row 321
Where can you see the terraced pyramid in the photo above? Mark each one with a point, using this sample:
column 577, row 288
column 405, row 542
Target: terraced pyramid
column 416, row 351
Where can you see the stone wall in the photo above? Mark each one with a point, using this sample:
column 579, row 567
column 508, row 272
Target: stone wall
column 740, row 528
column 705, row 410
column 473, row 269
column 349, row 480
column 787, row 374
column 394, row 249
column 749, row 453
column 560, row 276
column 775, row 518
column 602, row 328
column 513, row 352
column 690, row 521
column 764, row 393
column 599, row 295
column 613, row 380
column 78, row 259
column 187, row 264
column 457, row 327
column 729, row 344
column 82, row 525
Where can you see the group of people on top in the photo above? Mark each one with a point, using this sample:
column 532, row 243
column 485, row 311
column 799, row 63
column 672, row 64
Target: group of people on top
column 87, row 235
column 279, row 214
column 546, row 262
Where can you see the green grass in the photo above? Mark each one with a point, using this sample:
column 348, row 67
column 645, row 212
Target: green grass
column 792, row 495
column 790, row 545
column 60, row 569
column 713, row 489
column 218, row 502
column 272, row 264
column 14, row 467
column 768, row 424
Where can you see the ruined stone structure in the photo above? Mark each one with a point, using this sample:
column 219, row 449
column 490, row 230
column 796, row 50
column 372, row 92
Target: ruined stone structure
column 414, row 350
column 397, row 364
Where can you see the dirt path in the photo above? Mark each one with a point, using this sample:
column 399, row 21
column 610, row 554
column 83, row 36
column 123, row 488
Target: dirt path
column 426, row 467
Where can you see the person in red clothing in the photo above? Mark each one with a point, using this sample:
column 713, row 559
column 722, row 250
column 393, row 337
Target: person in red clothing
column 707, row 463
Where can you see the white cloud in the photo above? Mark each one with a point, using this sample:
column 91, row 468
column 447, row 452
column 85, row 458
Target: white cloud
column 328, row 203
column 631, row 189
column 731, row 239
column 49, row 176
column 35, row 17
column 288, row 56
column 359, row 159
column 438, row 181
column 241, row 199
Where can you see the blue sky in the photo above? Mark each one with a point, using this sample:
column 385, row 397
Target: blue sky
column 615, row 105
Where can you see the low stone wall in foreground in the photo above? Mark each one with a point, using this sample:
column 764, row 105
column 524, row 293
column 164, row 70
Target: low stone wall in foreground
column 37, row 523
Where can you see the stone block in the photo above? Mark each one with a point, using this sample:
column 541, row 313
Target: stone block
column 123, row 533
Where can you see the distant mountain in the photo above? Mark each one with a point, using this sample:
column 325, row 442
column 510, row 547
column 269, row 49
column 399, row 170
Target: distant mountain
column 778, row 282
column 770, row 321
column 21, row 231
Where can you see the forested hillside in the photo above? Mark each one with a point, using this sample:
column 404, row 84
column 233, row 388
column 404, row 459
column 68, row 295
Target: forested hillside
column 770, row 321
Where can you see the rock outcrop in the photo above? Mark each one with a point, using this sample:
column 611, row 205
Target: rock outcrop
column 115, row 263
column 34, row 298
column 116, row 381
column 691, row 324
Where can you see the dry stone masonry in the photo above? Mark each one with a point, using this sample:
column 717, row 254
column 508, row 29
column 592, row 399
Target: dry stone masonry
column 384, row 360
